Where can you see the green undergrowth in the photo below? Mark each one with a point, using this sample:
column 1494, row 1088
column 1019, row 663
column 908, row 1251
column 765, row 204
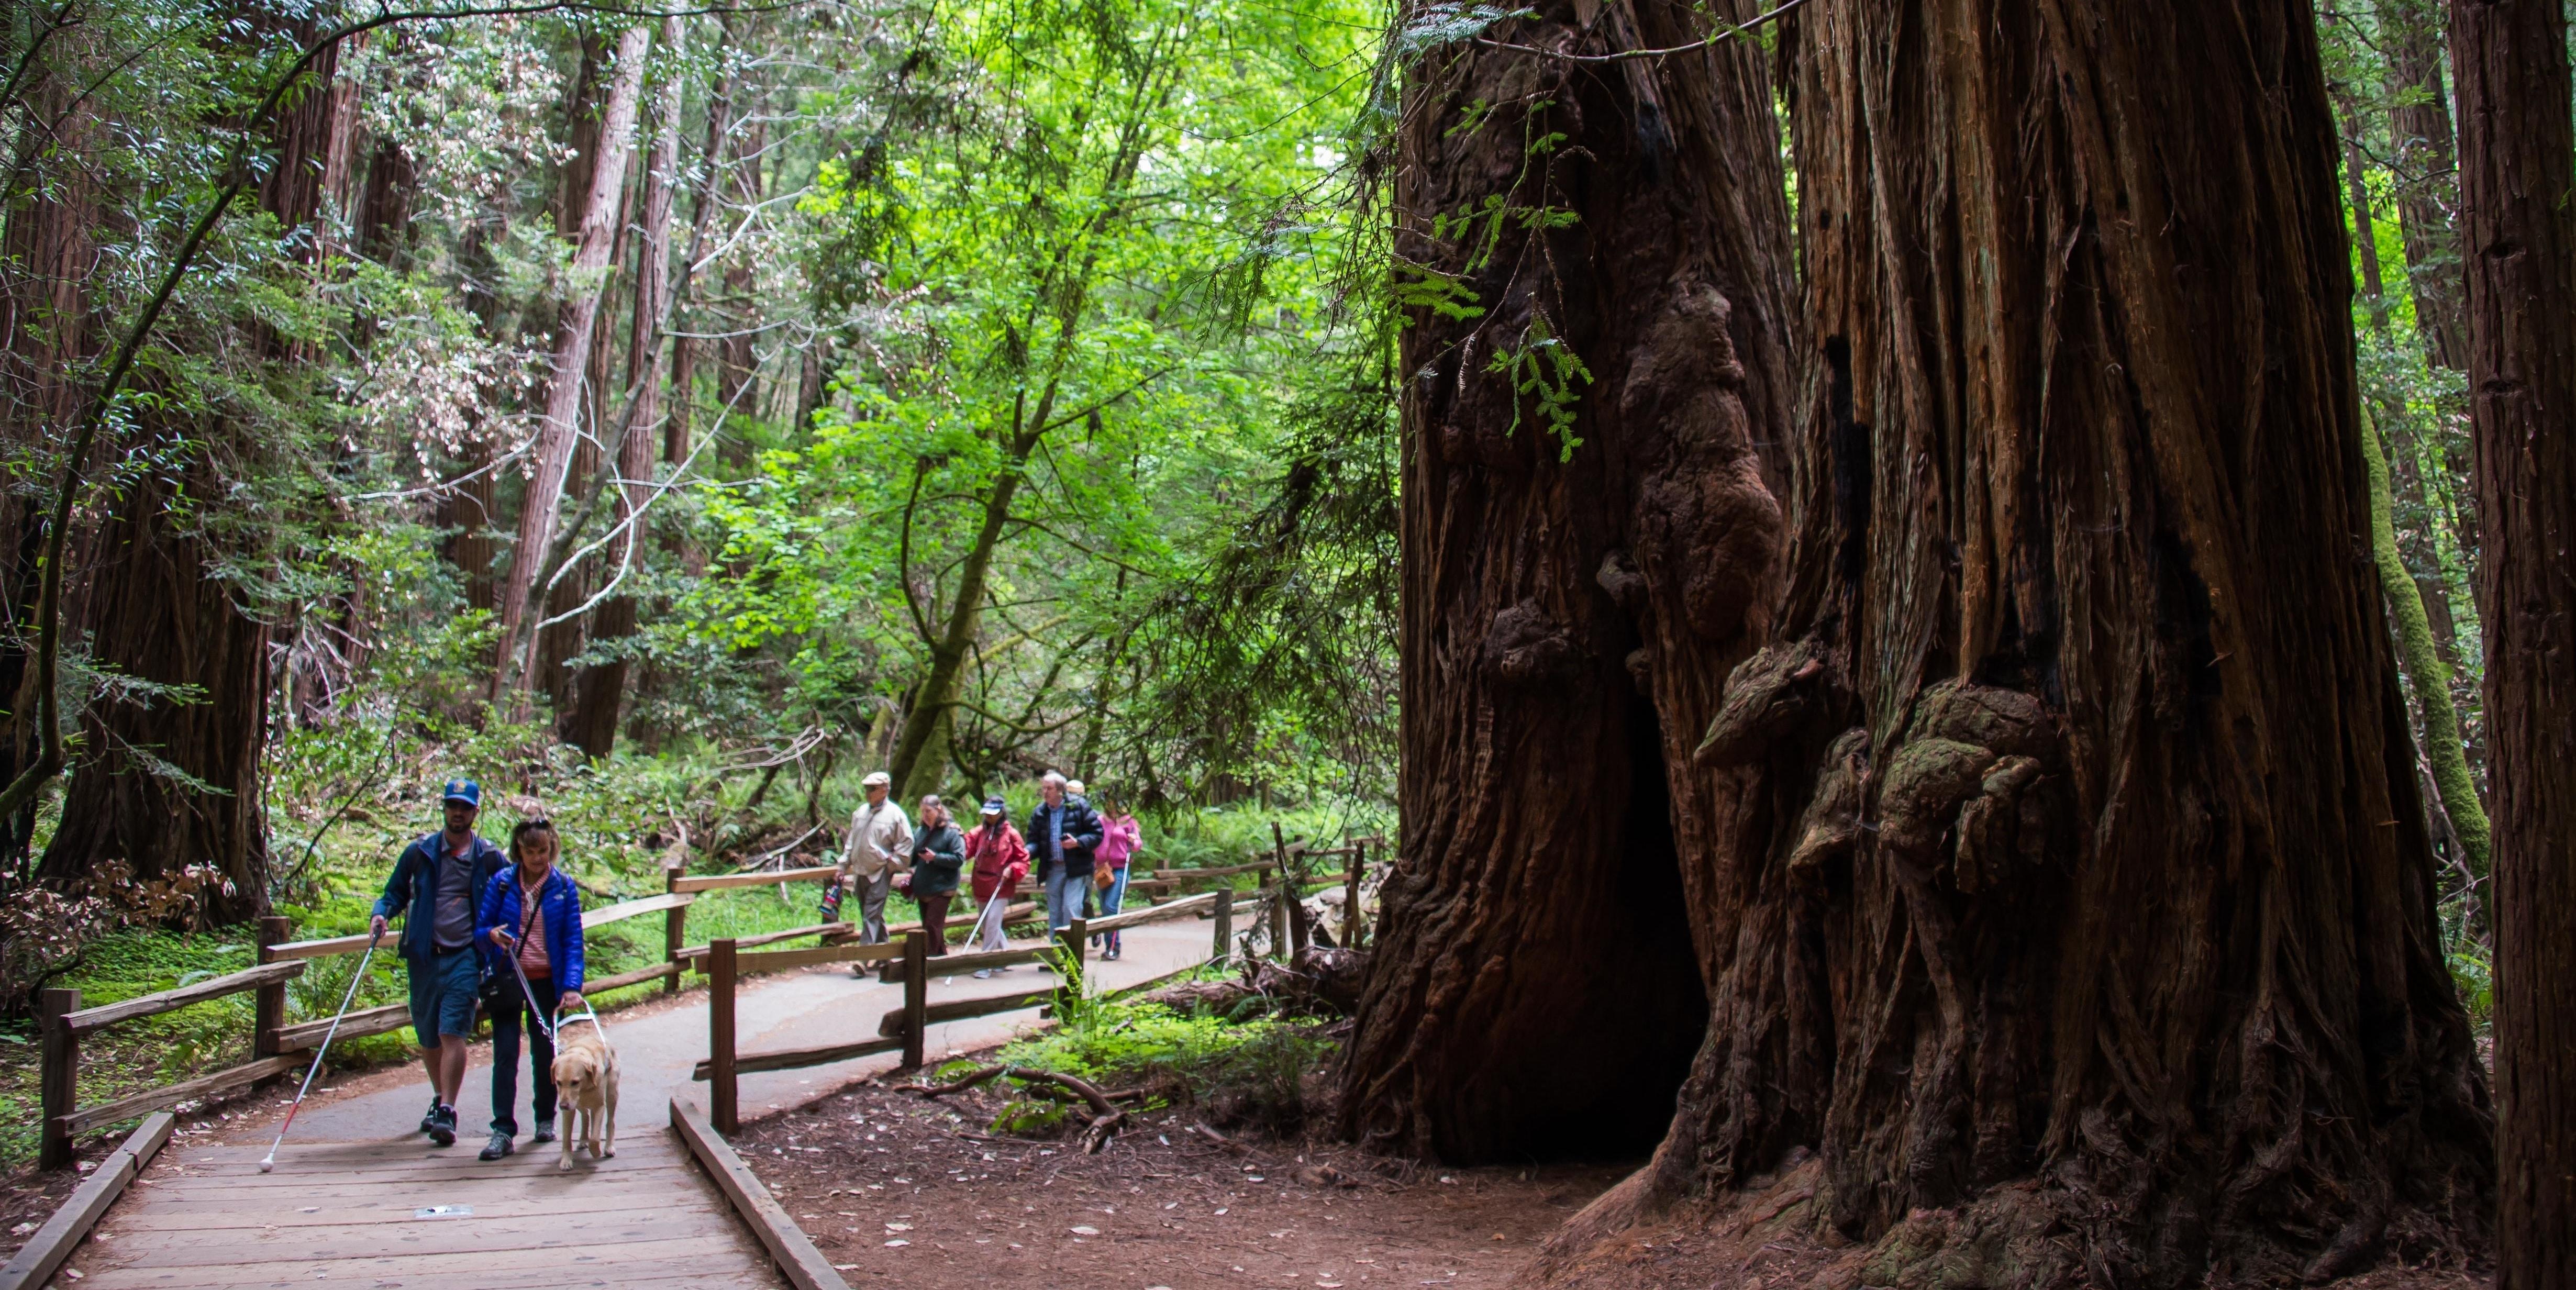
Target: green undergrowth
column 346, row 798
column 1243, row 1071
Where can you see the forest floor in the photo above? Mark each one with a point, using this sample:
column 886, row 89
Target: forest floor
column 897, row 1190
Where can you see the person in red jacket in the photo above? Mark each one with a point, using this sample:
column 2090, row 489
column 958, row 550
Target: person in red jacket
column 1001, row 859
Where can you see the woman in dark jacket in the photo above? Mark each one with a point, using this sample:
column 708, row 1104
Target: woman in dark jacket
column 938, row 863
column 532, row 913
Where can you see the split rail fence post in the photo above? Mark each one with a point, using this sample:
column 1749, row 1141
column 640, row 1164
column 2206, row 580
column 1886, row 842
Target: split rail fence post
column 1351, row 897
column 1068, row 976
column 268, row 1006
column 916, row 996
column 1278, row 916
column 60, row 1078
column 721, row 1091
column 1224, row 924
column 674, row 926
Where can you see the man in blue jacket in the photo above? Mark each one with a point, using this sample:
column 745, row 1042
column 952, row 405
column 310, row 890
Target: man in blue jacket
column 436, row 887
column 1063, row 831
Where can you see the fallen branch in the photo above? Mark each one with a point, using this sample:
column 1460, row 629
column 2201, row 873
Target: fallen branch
column 959, row 1085
column 1100, row 1103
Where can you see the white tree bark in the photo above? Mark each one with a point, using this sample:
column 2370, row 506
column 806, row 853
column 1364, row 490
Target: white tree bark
column 553, row 456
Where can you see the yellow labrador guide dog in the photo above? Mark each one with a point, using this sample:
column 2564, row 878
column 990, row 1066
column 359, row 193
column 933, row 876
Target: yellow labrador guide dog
column 585, row 1073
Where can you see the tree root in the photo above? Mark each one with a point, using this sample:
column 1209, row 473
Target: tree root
column 1106, row 1116
column 980, row 1075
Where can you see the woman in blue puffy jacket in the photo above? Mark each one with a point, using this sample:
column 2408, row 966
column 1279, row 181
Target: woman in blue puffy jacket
column 531, row 912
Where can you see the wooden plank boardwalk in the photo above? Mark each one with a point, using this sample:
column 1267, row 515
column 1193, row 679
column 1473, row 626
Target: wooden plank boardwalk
column 344, row 1207
column 351, row 1214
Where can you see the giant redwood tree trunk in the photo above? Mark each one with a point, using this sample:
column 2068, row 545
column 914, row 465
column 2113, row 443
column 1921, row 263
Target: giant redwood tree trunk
column 2517, row 180
column 172, row 780
column 1536, row 987
column 2082, row 842
column 169, row 779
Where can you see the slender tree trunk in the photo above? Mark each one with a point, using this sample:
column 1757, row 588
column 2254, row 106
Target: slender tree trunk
column 2518, row 192
column 2421, row 604
column 920, row 759
column 2428, row 194
column 2425, row 672
column 469, row 507
column 2419, row 130
column 385, row 231
column 553, row 453
column 1568, row 617
column 737, row 360
column 603, row 687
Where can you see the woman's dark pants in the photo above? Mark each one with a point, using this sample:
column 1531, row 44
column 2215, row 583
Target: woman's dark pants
column 506, row 1022
column 934, row 919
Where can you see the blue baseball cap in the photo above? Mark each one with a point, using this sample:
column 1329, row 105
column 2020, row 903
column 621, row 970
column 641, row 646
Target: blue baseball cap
column 464, row 790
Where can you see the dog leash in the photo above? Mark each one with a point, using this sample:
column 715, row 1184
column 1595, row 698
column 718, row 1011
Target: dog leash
column 536, row 1010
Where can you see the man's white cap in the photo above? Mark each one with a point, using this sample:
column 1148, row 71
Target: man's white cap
column 1073, row 786
column 876, row 779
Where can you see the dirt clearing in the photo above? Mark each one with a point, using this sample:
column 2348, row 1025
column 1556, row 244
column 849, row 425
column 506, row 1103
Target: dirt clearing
column 899, row 1191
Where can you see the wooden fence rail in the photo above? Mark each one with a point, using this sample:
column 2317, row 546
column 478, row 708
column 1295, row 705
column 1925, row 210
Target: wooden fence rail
column 906, row 1028
column 277, row 1048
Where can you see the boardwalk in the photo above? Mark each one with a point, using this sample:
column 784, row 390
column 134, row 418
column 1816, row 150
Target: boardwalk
column 350, row 1214
column 346, row 1206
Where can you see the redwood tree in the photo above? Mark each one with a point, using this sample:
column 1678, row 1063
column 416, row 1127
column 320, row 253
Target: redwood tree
column 1569, row 609
column 2063, row 826
column 170, row 777
column 2516, row 182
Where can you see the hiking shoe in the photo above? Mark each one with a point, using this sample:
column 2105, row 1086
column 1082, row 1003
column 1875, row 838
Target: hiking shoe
column 498, row 1148
column 545, row 1132
column 983, row 974
column 430, row 1116
column 442, row 1125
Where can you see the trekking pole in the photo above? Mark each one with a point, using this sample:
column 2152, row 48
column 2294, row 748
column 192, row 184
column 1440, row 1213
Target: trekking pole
column 270, row 1161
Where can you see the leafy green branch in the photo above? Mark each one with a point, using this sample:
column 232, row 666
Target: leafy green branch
column 1543, row 367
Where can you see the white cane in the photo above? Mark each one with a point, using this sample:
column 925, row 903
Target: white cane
column 996, row 902
column 269, row 1161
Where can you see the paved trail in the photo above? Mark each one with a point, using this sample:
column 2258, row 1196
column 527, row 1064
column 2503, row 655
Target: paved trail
column 360, row 1198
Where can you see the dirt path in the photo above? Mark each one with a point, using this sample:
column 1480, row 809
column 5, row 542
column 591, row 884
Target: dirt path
column 899, row 1192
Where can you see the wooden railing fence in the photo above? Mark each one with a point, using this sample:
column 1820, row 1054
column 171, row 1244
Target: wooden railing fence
column 905, row 1028
column 278, row 1048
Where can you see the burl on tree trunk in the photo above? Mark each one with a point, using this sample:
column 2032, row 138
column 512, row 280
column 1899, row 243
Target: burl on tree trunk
column 1537, row 986
column 2061, row 830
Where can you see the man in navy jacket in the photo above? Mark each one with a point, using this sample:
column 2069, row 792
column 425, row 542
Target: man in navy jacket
column 1062, row 833
column 436, row 887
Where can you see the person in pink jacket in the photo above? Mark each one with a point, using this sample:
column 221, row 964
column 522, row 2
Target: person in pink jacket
column 1120, row 840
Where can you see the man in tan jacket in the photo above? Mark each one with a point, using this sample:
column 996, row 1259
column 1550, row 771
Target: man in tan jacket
column 880, row 839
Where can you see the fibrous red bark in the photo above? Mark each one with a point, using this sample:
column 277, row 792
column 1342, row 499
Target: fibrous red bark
column 169, row 777
column 1536, row 987
column 2100, row 799
column 2062, row 831
column 2517, row 179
